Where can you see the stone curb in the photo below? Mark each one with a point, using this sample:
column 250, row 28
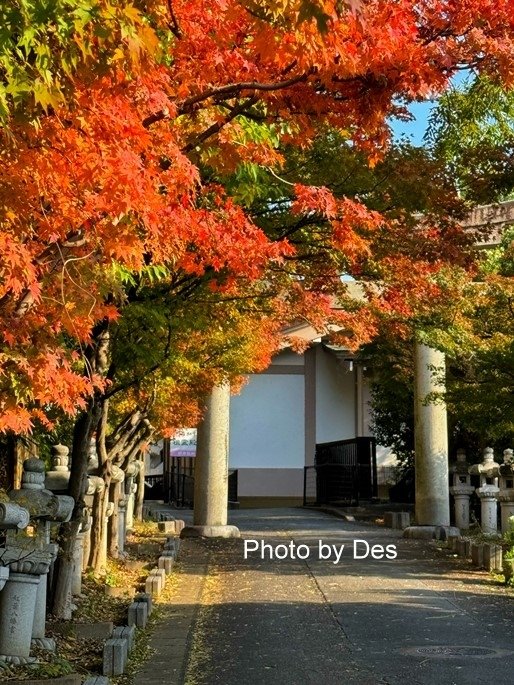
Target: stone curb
column 97, row 680
column 115, row 656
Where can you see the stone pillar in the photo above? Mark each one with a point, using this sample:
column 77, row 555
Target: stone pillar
column 18, row 602
column 78, row 556
column 488, row 509
column 461, row 490
column 122, row 523
column 102, row 560
column 461, row 494
column 211, row 469
column 130, row 492
column 39, row 623
column 506, row 485
column 507, row 511
column 86, row 544
column 431, row 439
column 489, row 471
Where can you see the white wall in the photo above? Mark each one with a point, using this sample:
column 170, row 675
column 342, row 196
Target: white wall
column 366, row 401
column 335, row 399
column 267, row 426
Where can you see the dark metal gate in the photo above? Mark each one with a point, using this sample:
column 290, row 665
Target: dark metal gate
column 344, row 472
column 179, row 482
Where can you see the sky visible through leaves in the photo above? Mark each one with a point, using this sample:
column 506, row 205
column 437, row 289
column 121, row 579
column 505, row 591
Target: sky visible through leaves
column 415, row 130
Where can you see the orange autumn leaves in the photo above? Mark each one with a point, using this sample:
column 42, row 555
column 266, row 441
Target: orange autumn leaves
column 118, row 173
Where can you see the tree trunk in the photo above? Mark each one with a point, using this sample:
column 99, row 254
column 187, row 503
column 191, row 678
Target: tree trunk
column 98, row 514
column 84, row 430
column 98, row 541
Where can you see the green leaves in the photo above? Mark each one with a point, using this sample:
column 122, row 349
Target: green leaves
column 472, row 129
column 312, row 10
column 44, row 44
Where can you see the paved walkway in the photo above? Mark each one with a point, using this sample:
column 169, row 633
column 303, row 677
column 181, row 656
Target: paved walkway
column 421, row 618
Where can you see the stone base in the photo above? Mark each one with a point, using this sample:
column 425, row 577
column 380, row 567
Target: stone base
column 17, row 660
column 46, row 643
column 210, row 532
column 430, row 532
column 446, row 532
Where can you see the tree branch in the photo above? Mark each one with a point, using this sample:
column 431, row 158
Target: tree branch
column 174, row 25
column 229, row 90
column 216, row 128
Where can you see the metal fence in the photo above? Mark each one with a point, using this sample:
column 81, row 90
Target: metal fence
column 335, row 484
column 177, row 487
column 154, row 487
column 344, row 472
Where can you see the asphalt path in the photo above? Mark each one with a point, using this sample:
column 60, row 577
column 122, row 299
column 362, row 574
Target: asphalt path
column 365, row 608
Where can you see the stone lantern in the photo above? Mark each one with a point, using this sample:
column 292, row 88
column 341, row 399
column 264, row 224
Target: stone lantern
column 12, row 517
column 21, row 569
column 45, row 508
column 58, row 478
column 461, row 489
column 488, row 471
column 506, row 494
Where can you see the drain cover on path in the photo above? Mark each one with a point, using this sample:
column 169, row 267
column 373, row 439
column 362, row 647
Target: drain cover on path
column 445, row 651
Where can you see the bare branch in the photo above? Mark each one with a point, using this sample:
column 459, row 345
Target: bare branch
column 174, row 25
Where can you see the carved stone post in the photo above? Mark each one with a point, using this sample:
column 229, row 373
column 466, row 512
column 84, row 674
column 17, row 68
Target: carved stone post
column 78, row 555
column 102, row 559
column 488, row 491
column 122, row 523
column 18, row 602
column 130, row 492
column 116, row 494
column 86, row 545
column 461, row 490
column 506, row 484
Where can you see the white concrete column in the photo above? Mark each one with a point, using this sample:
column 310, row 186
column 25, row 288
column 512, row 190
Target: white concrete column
column 211, row 469
column 431, row 439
